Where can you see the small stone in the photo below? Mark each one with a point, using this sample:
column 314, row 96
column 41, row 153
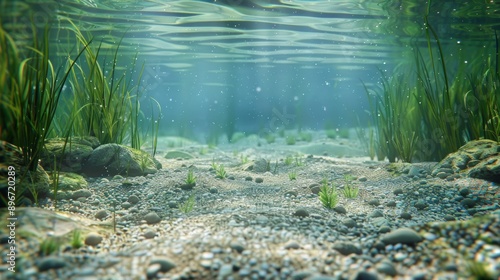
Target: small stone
column 384, row 229
column 101, row 214
column 51, row 263
column 346, row 248
column 468, row 203
column 398, row 191
column 449, row 218
column 362, row 179
column 375, row 214
column 152, row 218
column 292, row 244
column 391, row 203
column 315, row 188
column 301, row 212
column 386, row 268
column 237, row 246
column 340, row 209
column 225, row 270
column 80, row 193
column 405, row 216
column 165, row 264
column 133, row 199
column 402, row 235
column 464, row 192
column 213, row 190
column 93, row 239
column 420, row 204
column 350, row 223
column 126, row 205
column 374, row 202
column 259, row 180
column 149, row 234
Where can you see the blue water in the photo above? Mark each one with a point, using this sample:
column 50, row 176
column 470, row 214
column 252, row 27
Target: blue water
column 259, row 66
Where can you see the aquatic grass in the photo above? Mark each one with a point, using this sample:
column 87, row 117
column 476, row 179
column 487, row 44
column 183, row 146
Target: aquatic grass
column 76, row 239
column 190, row 178
column 188, row 205
column 328, row 195
column 220, row 172
column 349, row 191
column 430, row 114
column 290, row 140
column 31, row 90
column 292, row 175
column 49, row 246
column 288, row 160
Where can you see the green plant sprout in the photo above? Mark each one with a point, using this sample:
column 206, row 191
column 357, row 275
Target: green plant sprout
column 49, row 246
column 191, row 179
column 76, row 239
column 298, row 161
column 349, row 190
column 188, row 205
column 328, row 196
column 288, row 160
column 220, row 172
column 292, row 175
column 244, row 159
column 290, row 140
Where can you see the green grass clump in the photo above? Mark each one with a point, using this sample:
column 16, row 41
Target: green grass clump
column 290, row 140
column 349, row 191
column 292, row 175
column 288, row 160
column 190, row 179
column 328, row 196
column 331, row 133
column 478, row 271
column 49, row 246
column 188, row 205
column 434, row 112
column 220, row 171
column 270, row 138
column 76, row 239
column 305, row 136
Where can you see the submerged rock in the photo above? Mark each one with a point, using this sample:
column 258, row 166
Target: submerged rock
column 476, row 159
column 113, row 159
column 76, row 152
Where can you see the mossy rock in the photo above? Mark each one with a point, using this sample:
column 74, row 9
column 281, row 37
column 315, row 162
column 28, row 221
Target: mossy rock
column 31, row 184
column 175, row 154
column 69, row 182
column 476, row 159
column 113, row 159
column 75, row 153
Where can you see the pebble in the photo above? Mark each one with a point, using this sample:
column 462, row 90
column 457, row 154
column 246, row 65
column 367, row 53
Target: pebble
column 301, row 212
column 133, row 199
column 259, row 180
column 165, row 263
column 93, row 239
column 152, row 218
column 402, row 235
column 387, row 268
column 51, row 263
column 346, row 248
column 101, row 214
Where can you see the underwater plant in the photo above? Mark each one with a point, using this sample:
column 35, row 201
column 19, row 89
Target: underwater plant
column 349, row 191
column 76, row 239
column 190, row 179
column 49, row 246
column 220, row 172
column 328, row 195
column 290, row 140
column 188, row 205
column 292, row 175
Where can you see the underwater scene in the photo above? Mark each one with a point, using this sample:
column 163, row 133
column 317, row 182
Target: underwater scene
column 249, row 139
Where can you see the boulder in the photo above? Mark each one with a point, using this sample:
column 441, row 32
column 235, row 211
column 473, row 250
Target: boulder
column 76, row 152
column 31, row 184
column 476, row 159
column 114, row 159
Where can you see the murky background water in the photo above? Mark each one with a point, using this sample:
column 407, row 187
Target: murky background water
column 258, row 66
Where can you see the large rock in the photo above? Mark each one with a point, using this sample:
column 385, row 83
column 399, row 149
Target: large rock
column 477, row 159
column 69, row 183
column 76, row 152
column 32, row 184
column 113, row 159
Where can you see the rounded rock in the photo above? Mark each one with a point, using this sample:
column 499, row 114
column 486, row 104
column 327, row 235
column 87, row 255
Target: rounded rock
column 93, row 239
column 152, row 218
column 402, row 235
